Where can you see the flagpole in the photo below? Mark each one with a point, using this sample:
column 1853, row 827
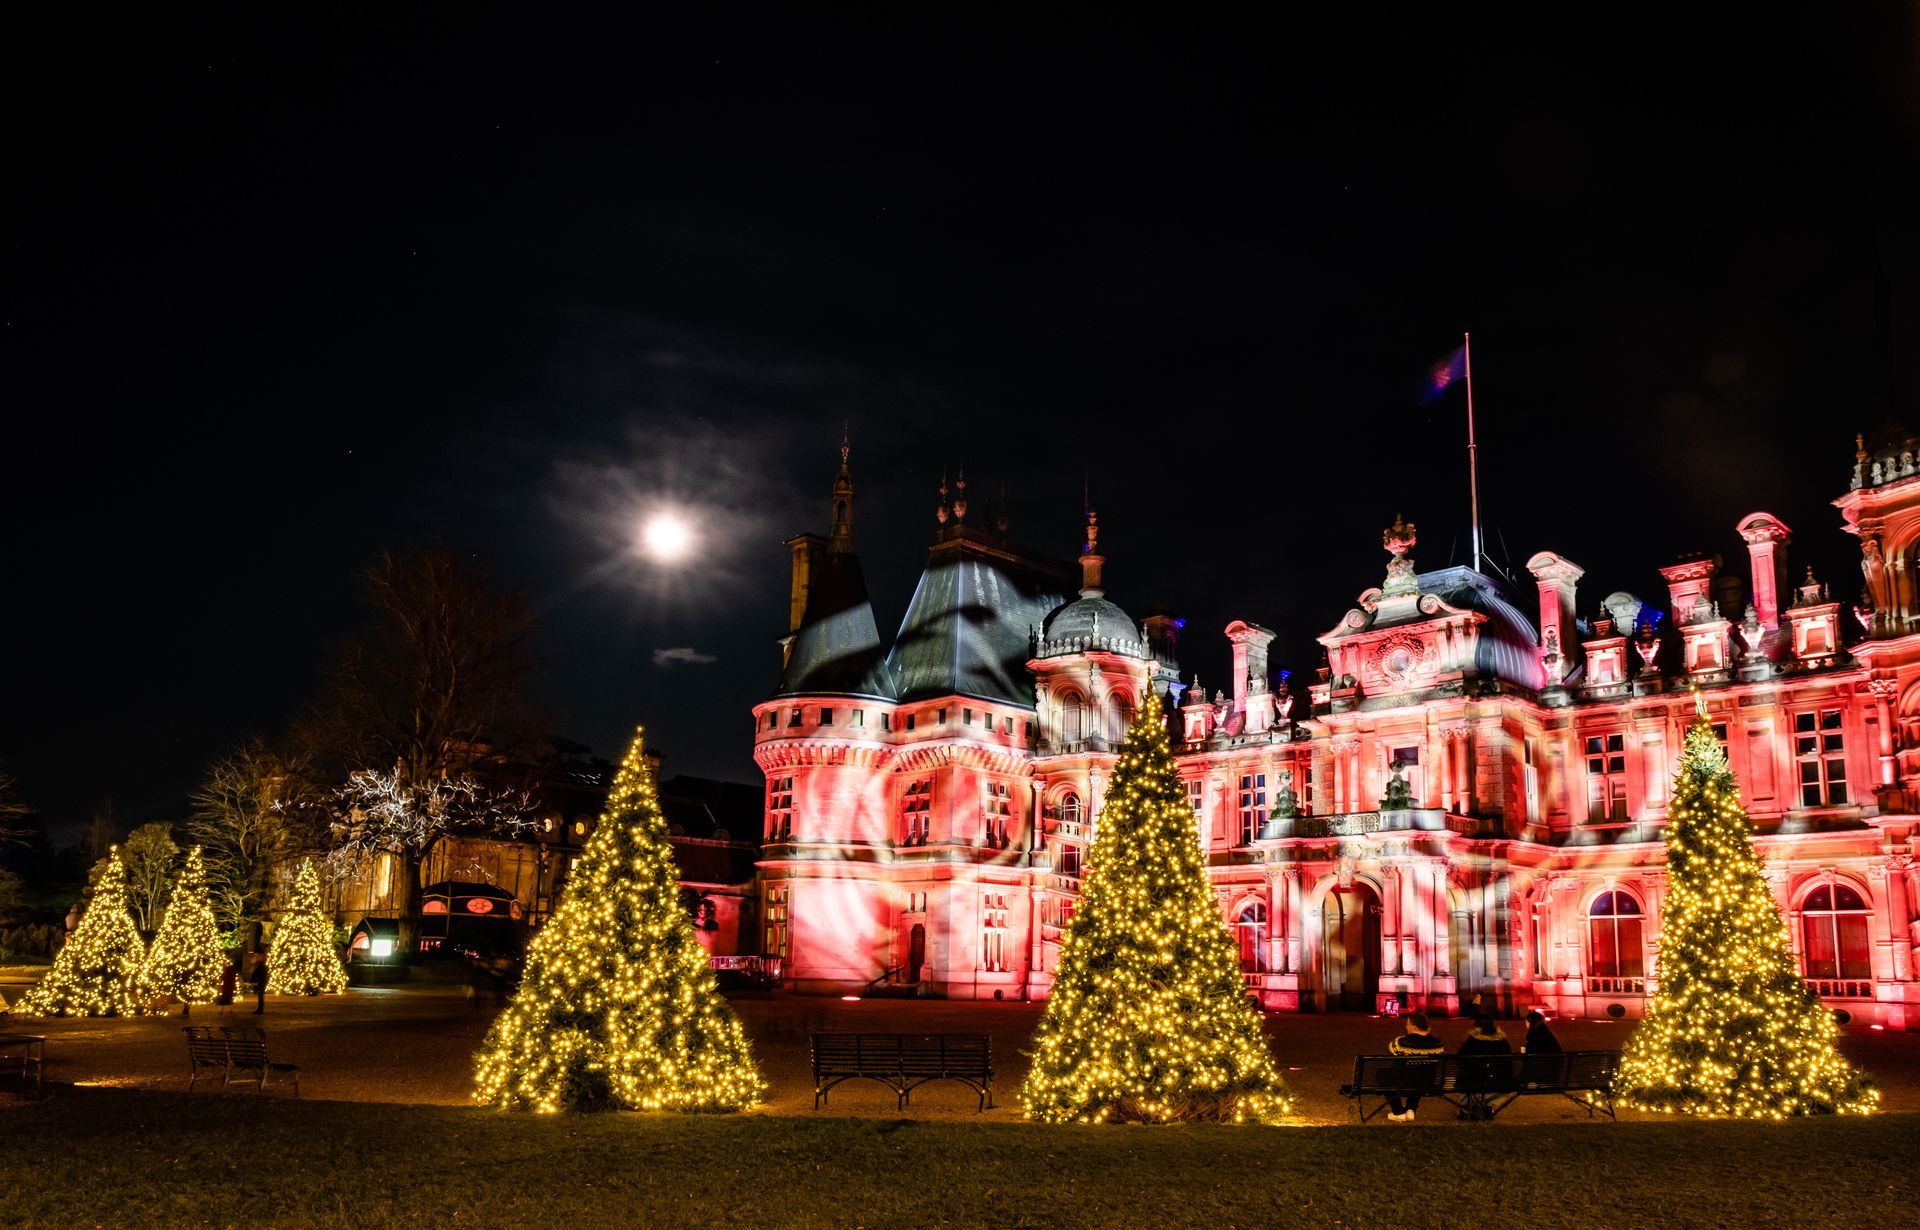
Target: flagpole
column 1473, row 459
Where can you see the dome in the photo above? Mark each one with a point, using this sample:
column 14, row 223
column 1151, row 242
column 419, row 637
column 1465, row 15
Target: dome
column 1089, row 617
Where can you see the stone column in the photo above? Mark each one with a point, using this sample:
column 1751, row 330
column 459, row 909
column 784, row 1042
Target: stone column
column 1295, row 922
column 1884, row 691
column 1899, row 929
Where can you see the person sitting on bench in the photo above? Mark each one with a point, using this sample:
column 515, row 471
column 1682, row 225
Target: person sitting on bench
column 1540, row 1039
column 1416, row 1043
column 1486, row 1039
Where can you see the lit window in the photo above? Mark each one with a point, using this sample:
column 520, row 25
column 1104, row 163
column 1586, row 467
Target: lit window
column 1607, row 779
column 1006, row 727
column 777, row 922
column 994, row 933
column 999, row 814
column 779, row 808
column 1196, row 796
column 1819, row 749
column 1253, row 806
column 859, row 717
column 1069, row 859
column 1251, row 930
column 916, row 812
column 1833, row 927
column 1613, row 934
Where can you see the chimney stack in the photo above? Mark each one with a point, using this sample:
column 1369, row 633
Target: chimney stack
column 1767, row 538
column 1558, row 578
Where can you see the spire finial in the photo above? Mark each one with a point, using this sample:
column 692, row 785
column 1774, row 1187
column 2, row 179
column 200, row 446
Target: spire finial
column 840, row 536
column 1090, row 558
column 941, row 515
column 846, row 438
column 960, row 494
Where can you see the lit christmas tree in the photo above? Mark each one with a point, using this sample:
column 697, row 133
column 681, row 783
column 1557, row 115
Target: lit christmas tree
column 1148, row 1019
column 618, row 1008
column 302, row 960
column 1731, row 1030
column 98, row 972
column 185, row 961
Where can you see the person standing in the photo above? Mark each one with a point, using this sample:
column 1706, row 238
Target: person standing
column 1539, row 1039
column 1417, row 1043
column 229, row 980
column 259, row 981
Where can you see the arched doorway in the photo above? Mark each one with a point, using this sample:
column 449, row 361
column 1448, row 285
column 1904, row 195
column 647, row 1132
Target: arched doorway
column 916, row 951
column 1350, row 948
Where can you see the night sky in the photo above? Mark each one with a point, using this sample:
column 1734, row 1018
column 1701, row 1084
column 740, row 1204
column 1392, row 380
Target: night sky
column 282, row 294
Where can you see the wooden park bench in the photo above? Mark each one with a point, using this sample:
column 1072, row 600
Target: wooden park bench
column 903, row 1062
column 1490, row 1083
column 229, row 1050
column 28, row 1054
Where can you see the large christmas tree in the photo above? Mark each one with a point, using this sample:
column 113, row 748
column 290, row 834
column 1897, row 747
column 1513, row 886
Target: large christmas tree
column 98, row 972
column 302, row 959
column 185, row 961
column 1731, row 1030
column 1149, row 1018
column 618, row 1007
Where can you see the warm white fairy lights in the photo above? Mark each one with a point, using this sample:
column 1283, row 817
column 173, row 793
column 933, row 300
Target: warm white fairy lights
column 302, row 959
column 98, row 972
column 618, row 1007
column 1149, row 1019
column 185, row 962
column 1732, row 1029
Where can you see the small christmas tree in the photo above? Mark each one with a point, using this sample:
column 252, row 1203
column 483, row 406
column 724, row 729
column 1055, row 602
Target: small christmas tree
column 618, row 1007
column 302, row 960
column 98, row 972
column 1149, row 1019
column 1732, row 1029
column 185, row 961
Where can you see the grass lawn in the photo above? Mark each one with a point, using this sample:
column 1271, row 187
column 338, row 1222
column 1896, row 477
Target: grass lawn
column 120, row 1157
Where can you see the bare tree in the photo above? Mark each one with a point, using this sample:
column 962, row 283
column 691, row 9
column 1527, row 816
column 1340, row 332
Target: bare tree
column 148, row 854
column 14, row 814
column 432, row 690
column 255, row 808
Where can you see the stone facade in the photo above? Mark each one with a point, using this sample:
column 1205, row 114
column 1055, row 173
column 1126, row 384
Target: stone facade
column 1470, row 807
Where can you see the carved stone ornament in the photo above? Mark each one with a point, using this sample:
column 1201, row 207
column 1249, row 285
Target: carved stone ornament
column 1401, row 658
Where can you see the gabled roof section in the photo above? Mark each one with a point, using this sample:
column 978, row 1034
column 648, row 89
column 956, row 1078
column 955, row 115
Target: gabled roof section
column 837, row 649
column 968, row 629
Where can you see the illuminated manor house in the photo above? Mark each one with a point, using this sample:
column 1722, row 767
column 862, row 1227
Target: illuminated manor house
column 1473, row 806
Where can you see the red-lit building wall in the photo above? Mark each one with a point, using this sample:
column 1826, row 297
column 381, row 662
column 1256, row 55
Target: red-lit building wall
column 937, row 847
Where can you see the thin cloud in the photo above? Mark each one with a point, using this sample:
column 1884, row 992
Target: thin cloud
column 681, row 655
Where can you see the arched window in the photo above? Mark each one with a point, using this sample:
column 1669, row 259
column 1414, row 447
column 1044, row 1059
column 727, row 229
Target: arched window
column 1250, row 928
column 1070, row 720
column 1833, row 930
column 1070, row 808
column 1120, row 717
column 1613, row 937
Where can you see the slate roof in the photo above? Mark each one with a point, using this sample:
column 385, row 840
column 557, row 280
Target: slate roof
column 1091, row 617
column 967, row 631
column 1508, row 646
column 837, row 650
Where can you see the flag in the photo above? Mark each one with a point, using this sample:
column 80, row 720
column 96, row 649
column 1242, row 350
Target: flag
column 1443, row 374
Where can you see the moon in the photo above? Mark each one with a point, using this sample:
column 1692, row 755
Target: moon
column 667, row 537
